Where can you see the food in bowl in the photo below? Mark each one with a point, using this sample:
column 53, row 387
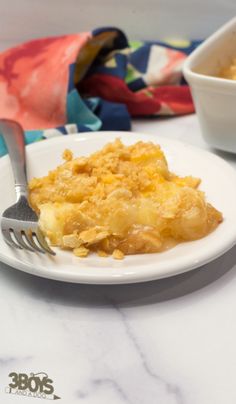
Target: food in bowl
column 120, row 200
column 229, row 71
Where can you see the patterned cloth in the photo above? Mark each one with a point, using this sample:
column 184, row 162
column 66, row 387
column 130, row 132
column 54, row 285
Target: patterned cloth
column 90, row 81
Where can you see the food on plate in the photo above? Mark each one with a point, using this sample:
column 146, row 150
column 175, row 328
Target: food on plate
column 120, row 200
column 229, row 72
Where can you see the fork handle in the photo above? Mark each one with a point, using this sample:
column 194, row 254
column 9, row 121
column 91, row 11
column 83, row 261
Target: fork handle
column 13, row 135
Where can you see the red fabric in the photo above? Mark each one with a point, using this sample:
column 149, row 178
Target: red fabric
column 143, row 102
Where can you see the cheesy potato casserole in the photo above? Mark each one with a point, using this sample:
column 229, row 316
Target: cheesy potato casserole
column 229, row 72
column 120, row 200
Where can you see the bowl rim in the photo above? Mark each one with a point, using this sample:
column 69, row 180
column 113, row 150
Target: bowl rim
column 189, row 74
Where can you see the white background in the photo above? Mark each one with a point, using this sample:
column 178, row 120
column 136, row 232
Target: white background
column 151, row 19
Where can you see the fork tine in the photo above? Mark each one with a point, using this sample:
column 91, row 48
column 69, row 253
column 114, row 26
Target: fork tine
column 9, row 240
column 20, row 240
column 43, row 242
column 29, row 238
column 19, row 222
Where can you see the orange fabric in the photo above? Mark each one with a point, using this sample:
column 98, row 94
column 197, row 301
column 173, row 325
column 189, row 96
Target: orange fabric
column 27, row 92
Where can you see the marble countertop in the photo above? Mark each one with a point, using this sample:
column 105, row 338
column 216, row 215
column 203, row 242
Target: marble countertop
column 171, row 341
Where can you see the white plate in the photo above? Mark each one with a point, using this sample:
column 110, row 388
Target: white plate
column 218, row 182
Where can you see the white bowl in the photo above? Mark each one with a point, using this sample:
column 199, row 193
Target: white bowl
column 214, row 97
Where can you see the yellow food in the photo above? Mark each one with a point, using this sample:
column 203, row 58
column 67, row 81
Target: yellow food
column 118, row 254
column 229, row 72
column 120, row 200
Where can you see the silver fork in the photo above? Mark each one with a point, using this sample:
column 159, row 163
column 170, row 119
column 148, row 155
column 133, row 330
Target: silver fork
column 19, row 223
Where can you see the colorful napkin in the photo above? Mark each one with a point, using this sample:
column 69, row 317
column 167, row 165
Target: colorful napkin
column 90, row 81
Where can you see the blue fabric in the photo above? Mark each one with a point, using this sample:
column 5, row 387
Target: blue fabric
column 114, row 115
column 79, row 113
column 140, row 58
